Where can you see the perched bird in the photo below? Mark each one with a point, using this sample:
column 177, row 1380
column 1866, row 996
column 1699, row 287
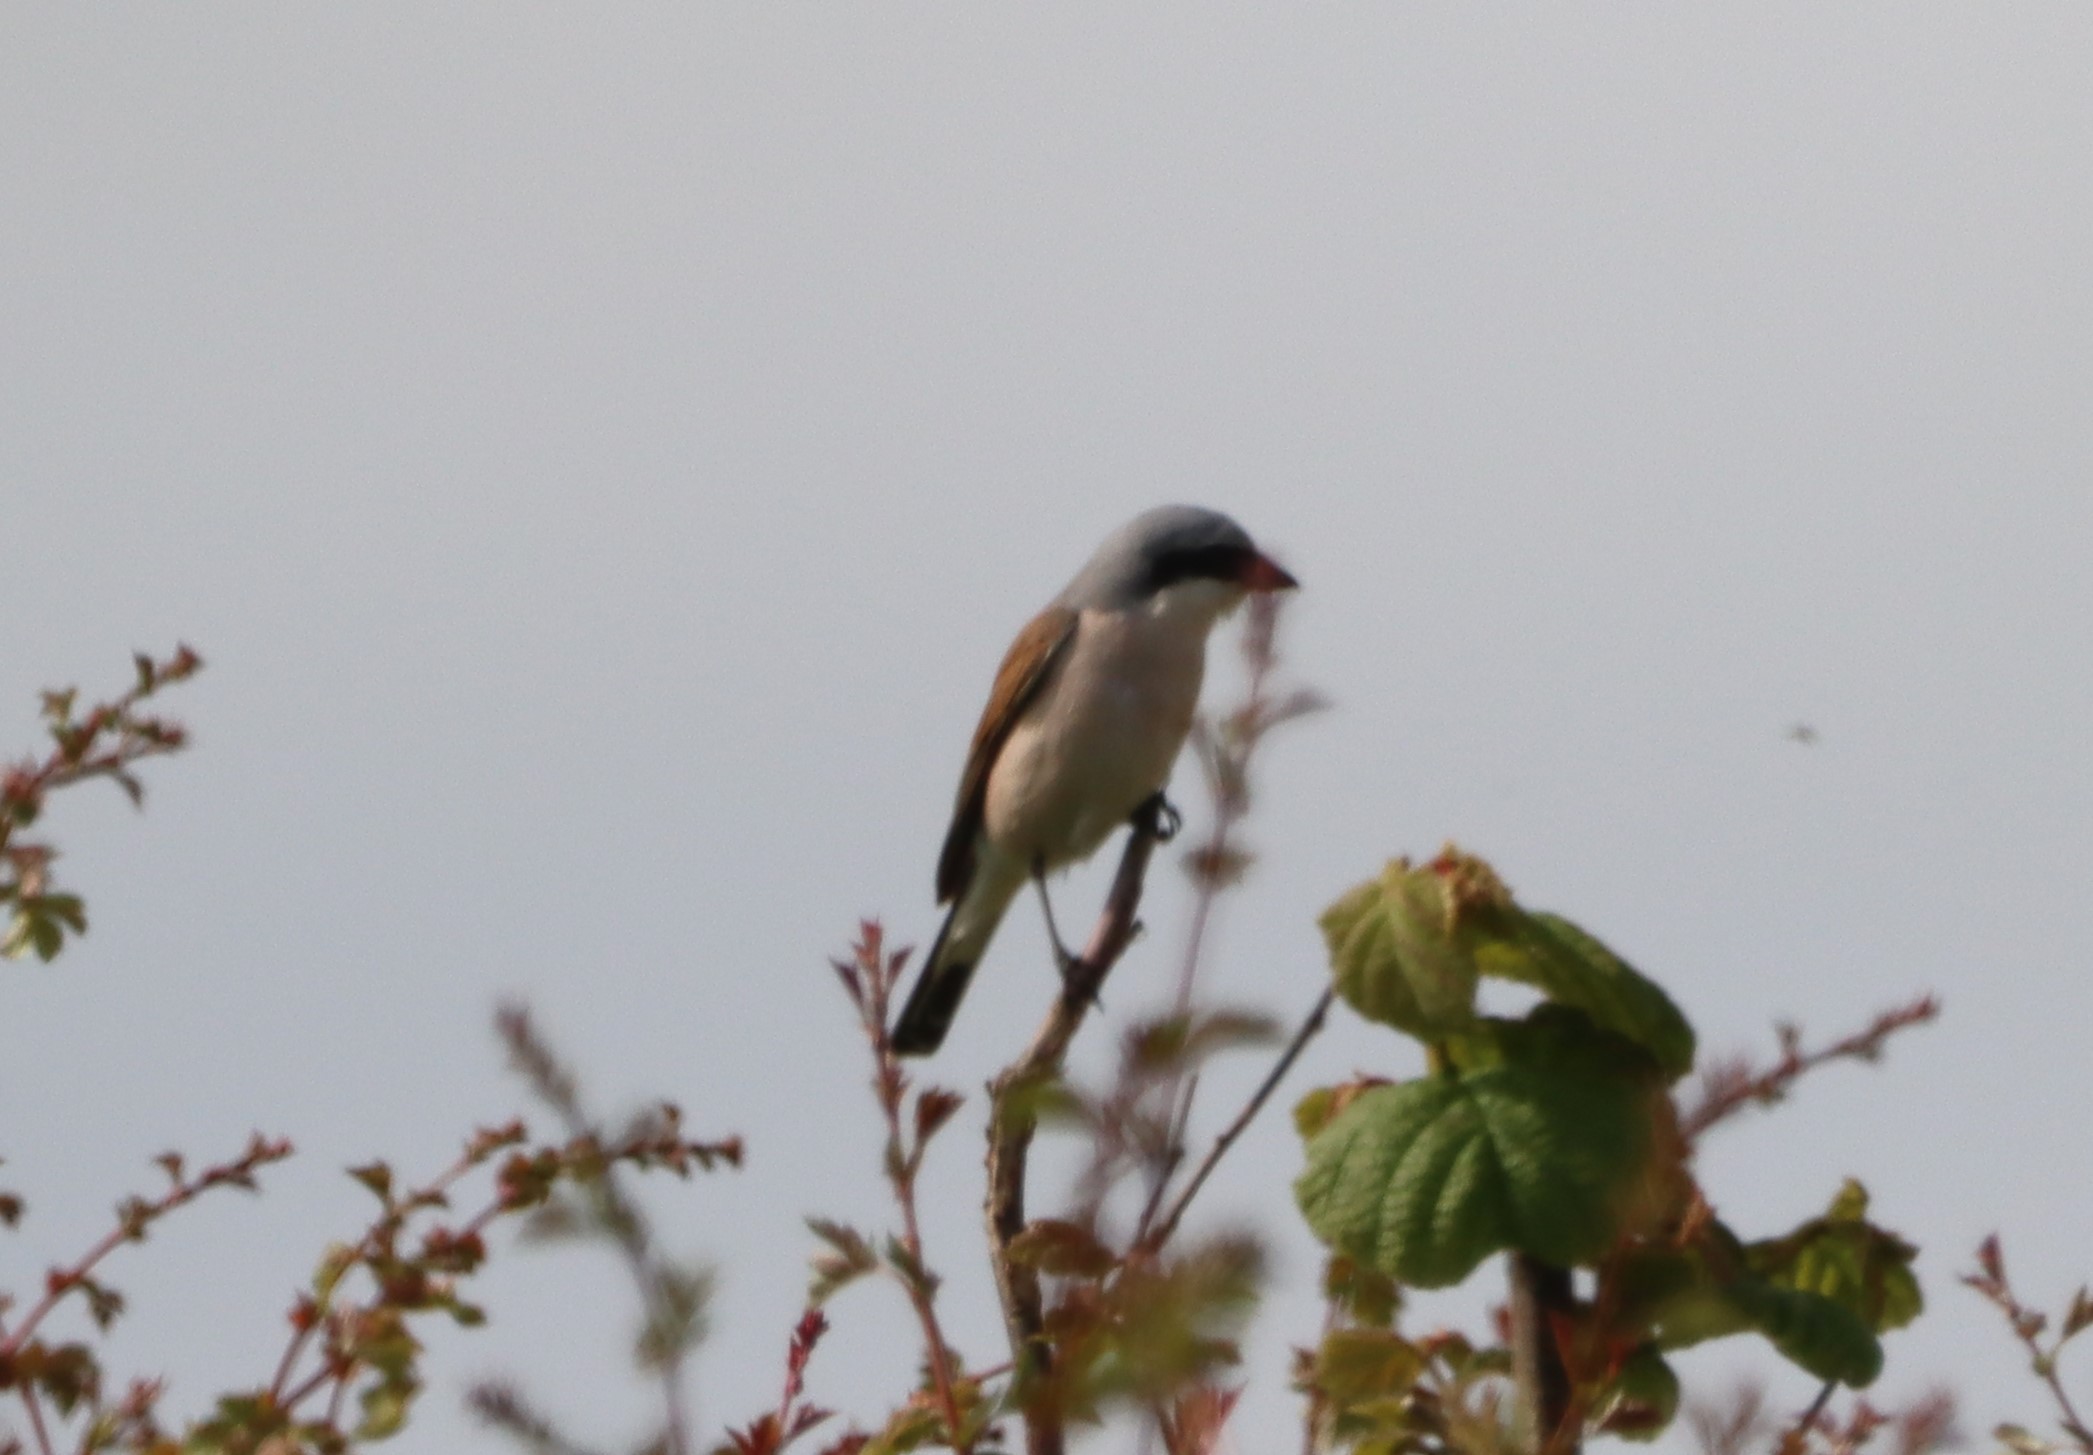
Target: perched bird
column 1087, row 715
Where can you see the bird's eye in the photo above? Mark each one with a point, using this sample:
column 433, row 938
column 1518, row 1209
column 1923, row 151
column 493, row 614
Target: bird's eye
column 1199, row 563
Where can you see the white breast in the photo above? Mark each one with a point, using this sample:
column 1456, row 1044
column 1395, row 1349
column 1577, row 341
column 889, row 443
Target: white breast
column 1104, row 733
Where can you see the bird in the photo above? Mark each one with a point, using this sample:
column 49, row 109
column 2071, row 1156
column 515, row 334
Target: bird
column 1086, row 718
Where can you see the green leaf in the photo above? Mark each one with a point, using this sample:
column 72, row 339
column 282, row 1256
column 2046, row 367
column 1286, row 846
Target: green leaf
column 850, row 1257
column 1400, row 952
column 1847, row 1259
column 1682, row 1298
column 32, row 931
column 66, row 907
column 1355, row 1365
column 912, row 1427
column 1568, row 965
column 385, row 1407
column 1367, row 1295
column 1407, row 948
column 1642, row 1399
column 1827, row 1339
column 1424, row 1179
column 1063, row 1249
column 1313, row 1112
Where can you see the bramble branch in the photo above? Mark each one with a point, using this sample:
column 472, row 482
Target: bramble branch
column 1727, row 1087
column 870, row 976
column 2028, row 1326
column 135, row 1216
column 107, row 741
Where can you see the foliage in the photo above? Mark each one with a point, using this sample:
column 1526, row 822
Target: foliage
column 1564, row 1137
column 108, row 740
column 1555, row 1136
column 2028, row 1325
column 356, row 1330
column 350, row 1369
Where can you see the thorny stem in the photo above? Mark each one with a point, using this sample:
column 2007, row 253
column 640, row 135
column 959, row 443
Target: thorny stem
column 1010, row 1127
column 336, row 1400
column 2046, row 1365
column 2027, row 1326
column 343, row 1373
column 871, row 982
column 2073, row 1425
column 389, row 1220
column 260, row 1152
column 1160, row 1233
column 902, row 1173
column 1728, row 1087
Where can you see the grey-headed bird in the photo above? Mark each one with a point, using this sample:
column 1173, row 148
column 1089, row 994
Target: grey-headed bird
column 1088, row 713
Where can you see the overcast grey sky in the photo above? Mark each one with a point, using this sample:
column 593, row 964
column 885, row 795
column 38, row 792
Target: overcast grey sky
column 604, row 451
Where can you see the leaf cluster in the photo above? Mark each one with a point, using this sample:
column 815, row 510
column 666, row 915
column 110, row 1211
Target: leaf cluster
column 106, row 740
column 350, row 1369
column 1555, row 1136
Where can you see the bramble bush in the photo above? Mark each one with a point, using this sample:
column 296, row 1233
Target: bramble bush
column 1563, row 1139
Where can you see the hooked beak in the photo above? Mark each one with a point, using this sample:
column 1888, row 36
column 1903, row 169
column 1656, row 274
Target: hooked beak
column 1262, row 573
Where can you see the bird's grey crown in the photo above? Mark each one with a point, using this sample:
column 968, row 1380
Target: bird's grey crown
column 1124, row 568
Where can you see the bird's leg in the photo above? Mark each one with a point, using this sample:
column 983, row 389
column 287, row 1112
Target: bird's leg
column 1066, row 960
column 1062, row 956
column 1159, row 816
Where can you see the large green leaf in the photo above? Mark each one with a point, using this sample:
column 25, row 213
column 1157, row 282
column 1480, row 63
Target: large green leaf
column 1827, row 1339
column 1424, row 1179
column 1561, row 960
column 1681, row 1298
column 1847, row 1259
column 1406, row 949
column 1398, row 954
column 1641, row 1399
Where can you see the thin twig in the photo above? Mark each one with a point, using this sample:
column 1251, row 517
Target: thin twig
column 387, row 1224
column 1224, row 754
column 1727, row 1087
column 1167, row 1224
column 2027, row 1325
column 917, row 1285
column 134, row 1218
column 36, row 1419
column 870, row 980
column 1798, row 1433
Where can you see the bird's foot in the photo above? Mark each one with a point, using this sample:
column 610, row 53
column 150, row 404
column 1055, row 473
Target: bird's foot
column 1077, row 981
column 1159, row 816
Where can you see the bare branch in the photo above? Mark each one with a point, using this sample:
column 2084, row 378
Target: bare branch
column 1728, row 1087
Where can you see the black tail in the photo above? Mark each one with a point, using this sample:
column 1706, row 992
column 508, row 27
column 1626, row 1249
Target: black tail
column 923, row 1022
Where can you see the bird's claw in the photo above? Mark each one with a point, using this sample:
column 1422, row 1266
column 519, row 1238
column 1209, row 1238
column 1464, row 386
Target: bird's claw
column 1159, row 816
column 1076, row 981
